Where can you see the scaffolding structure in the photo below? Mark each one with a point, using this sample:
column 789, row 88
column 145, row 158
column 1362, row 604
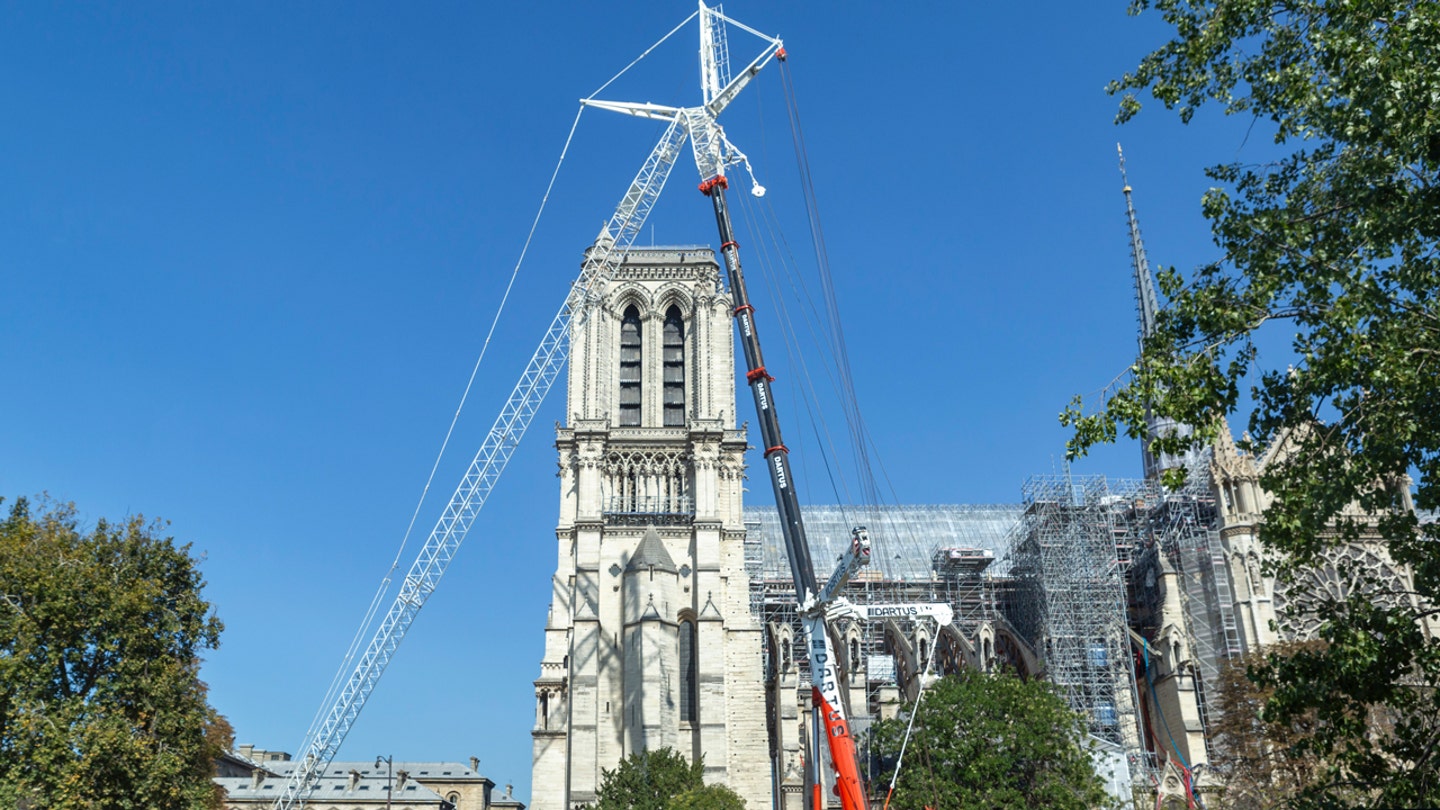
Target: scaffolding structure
column 1089, row 561
column 951, row 554
column 948, row 554
column 1074, row 572
column 1179, row 534
column 919, row 554
column 1069, row 559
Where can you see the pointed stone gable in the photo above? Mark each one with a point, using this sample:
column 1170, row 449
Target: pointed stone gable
column 651, row 554
column 710, row 612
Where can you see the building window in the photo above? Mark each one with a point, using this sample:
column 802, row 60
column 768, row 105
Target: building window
column 689, row 673
column 630, row 368
column 674, row 356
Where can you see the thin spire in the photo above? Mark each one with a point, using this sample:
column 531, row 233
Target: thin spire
column 1145, row 300
column 1147, row 306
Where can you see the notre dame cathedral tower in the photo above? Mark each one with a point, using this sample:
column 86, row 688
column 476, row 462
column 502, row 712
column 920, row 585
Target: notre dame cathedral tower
column 649, row 641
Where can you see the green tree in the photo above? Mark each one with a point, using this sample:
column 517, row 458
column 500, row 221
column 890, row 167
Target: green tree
column 1263, row 765
column 101, row 705
column 1335, row 246
column 991, row 741
column 649, row 780
column 709, row 797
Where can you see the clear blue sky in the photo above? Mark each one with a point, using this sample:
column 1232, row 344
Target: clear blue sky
column 249, row 253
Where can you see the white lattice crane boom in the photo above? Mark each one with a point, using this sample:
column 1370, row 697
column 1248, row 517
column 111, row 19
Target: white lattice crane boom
column 479, row 480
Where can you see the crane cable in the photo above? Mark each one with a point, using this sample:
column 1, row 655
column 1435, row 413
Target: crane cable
column 862, row 441
column 774, row 248
column 866, row 452
column 378, row 599
column 849, row 401
column 524, row 249
column 772, row 238
column 789, row 332
column 910, row 727
column 799, row 291
column 347, row 663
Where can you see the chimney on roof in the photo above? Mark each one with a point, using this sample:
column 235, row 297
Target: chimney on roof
column 354, row 780
column 257, row 778
column 246, row 751
column 475, row 764
column 508, row 788
column 401, row 777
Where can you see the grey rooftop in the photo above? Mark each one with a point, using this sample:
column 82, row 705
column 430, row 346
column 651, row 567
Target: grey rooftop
column 904, row 539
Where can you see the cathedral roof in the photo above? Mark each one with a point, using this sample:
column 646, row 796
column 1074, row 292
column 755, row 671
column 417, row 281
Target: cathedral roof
column 422, row 769
column 905, row 538
column 651, row 553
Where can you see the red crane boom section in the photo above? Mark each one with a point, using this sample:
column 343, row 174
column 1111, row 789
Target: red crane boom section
column 824, row 674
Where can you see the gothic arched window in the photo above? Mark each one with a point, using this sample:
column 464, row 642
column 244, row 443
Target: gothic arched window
column 689, row 673
column 674, row 357
column 630, row 368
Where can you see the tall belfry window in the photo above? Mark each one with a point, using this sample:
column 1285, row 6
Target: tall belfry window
column 674, row 357
column 689, row 673
column 630, row 368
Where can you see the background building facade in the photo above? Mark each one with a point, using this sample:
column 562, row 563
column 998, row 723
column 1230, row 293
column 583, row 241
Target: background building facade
column 251, row 779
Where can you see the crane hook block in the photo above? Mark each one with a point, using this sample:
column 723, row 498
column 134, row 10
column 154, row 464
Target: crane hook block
column 780, row 54
column 757, row 373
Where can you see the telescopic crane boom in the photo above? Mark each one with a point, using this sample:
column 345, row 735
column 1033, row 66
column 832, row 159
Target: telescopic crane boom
column 824, row 674
column 713, row 153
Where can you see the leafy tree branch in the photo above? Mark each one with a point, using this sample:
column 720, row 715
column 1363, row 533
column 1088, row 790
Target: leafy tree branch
column 1336, row 246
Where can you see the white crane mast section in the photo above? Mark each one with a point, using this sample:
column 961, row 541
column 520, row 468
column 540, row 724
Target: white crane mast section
column 484, row 471
column 854, row 558
column 714, row 56
column 712, row 150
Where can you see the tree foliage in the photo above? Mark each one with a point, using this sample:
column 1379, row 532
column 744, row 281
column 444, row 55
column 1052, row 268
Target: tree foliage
column 1263, row 764
column 708, row 797
column 990, row 741
column 650, row 780
column 101, row 705
column 1335, row 244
